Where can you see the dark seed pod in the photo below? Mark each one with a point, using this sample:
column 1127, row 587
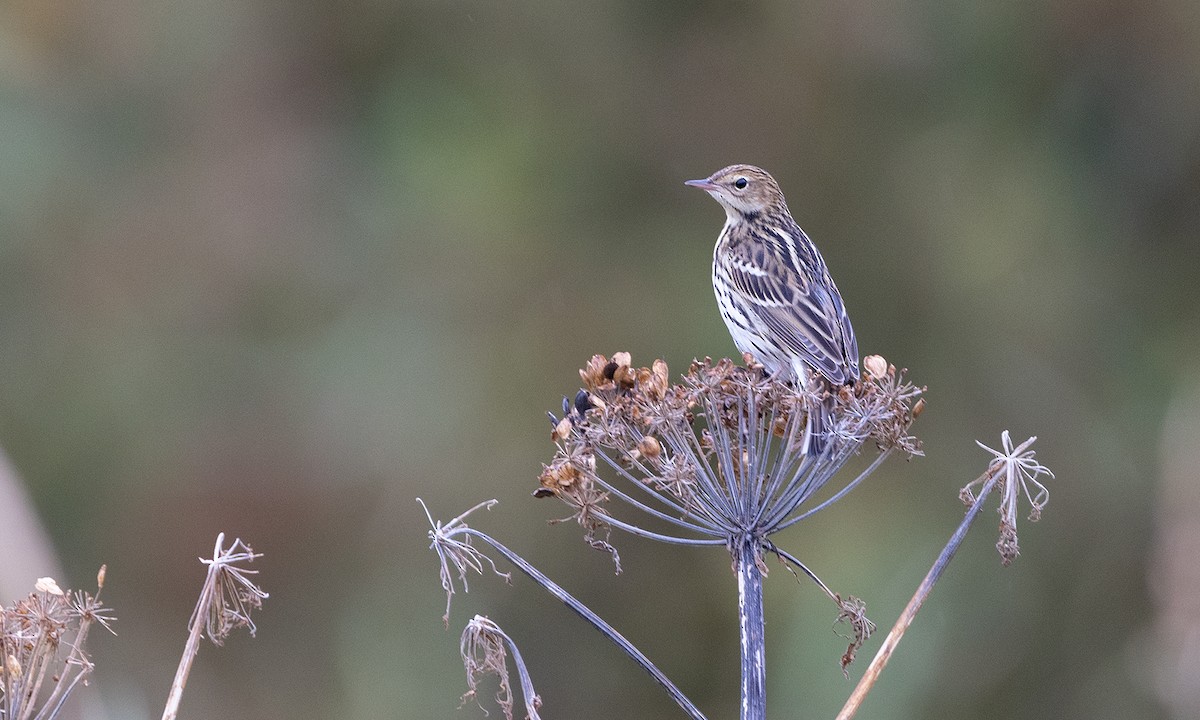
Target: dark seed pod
column 543, row 493
column 610, row 369
column 583, row 402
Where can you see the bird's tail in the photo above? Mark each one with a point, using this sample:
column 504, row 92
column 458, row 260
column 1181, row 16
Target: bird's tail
column 816, row 430
column 820, row 409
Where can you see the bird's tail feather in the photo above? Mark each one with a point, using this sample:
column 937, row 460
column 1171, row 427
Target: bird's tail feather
column 816, row 430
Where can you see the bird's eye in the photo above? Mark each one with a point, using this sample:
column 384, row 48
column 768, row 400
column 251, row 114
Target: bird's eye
column 741, row 183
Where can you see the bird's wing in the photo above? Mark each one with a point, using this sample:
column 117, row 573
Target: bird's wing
column 793, row 296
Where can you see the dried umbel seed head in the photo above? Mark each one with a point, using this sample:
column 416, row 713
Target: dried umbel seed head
column 720, row 440
column 42, row 648
column 659, row 381
column 568, row 475
column 625, row 377
column 652, row 381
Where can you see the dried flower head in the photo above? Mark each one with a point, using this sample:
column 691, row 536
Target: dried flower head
column 852, row 611
column 35, row 677
column 484, row 649
column 227, row 599
column 1017, row 473
column 229, row 594
column 454, row 549
column 718, row 454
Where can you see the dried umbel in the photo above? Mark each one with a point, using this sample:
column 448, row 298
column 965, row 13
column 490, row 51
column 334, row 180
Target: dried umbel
column 227, row 598
column 485, row 648
column 720, row 454
column 1016, row 470
column 42, row 648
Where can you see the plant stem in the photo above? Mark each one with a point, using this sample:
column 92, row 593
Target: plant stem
column 185, row 666
column 753, row 637
column 591, row 618
column 192, row 647
column 914, row 605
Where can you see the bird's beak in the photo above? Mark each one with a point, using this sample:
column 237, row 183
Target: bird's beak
column 705, row 184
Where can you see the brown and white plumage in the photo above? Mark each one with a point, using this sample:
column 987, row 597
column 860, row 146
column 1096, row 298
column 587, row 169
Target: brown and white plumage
column 773, row 288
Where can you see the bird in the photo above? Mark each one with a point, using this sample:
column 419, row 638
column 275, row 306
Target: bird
column 775, row 292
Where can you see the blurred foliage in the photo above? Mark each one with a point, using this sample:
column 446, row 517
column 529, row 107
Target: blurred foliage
column 278, row 268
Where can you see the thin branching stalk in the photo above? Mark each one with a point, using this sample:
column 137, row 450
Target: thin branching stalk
column 190, row 649
column 458, row 557
column 226, row 601
column 668, row 539
column 592, row 619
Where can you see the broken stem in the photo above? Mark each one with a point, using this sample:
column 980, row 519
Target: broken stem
column 914, row 605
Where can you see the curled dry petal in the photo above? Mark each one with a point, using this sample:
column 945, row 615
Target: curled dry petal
column 649, row 447
column 875, row 366
column 592, row 374
column 656, row 386
column 47, row 585
column 562, row 474
column 562, row 430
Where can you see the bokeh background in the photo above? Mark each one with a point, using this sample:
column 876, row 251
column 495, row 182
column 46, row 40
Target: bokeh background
column 279, row 268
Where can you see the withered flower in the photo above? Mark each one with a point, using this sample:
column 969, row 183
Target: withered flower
column 719, row 454
column 1016, row 471
column 43, row 639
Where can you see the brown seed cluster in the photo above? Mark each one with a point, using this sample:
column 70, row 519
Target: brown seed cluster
column 632, row 424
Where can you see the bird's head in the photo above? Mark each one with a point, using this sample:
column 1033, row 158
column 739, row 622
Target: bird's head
column 743, row 190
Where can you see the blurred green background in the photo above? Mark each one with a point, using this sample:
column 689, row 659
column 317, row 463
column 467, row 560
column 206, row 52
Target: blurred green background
column 278, row 268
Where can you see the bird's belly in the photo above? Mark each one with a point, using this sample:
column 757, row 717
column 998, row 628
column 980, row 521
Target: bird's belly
column 749, row 341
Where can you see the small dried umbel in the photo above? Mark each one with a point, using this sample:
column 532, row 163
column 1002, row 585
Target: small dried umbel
column 484, row 648
column 1016, row 470
column 42, row 656
column 227, row 598
column 721, row 453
